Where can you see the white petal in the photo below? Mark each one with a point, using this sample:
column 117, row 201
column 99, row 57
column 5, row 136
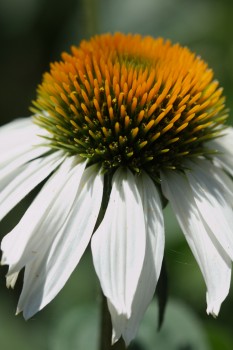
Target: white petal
column 22, row 130
column 11, row 280
column 13, row 153
column 28, row 177
column 46, row 215
column 224, row 145
column 154, row 222
column 17, row 124
column 221, row 177
column 155, row 240
column 4, row 182
column 46, row 275
column 19, row 144
column 212, row 202
column 20, row 159
column 18, row 137
column 119, row 322
column 213, row 261
column 118, row 245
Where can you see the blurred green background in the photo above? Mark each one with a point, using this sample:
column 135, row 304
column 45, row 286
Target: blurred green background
column 33, row 33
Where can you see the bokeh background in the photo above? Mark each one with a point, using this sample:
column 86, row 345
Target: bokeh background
column 34, row 33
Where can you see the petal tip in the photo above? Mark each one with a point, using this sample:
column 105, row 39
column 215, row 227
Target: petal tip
column 213, row 309
column 18, row 311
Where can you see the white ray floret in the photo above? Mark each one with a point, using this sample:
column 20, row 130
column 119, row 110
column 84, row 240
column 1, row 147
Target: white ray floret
column 224, row 147
column 213, row 260
column 128, row 244
column 46, row 214
column 118, row 245
column 46, row 275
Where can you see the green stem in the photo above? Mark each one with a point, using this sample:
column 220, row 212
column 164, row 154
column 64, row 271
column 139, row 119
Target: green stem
column 106, row 330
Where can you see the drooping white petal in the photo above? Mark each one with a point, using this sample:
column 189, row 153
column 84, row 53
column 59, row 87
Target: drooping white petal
column 223, row 178
column 17, row 124
column 224, row 145
column 118, row 245
column 46, row 275
column 11, row 280
column 28, row 177
column 21, row 130
column 155, row 241
column 213, row 261
column 19, row 160
column 44, row 217
column 119, row 322
column 21, row 155
column 213, row 202
column 122, row 325
column 18, row 138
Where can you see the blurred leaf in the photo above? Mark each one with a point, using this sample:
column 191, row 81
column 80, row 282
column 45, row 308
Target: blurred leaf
column 181, row 330
column 77, row 330
column 219, row 338
column 16, row 333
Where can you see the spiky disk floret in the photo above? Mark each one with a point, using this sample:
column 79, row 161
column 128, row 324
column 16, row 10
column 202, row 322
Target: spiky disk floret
column 130, row 100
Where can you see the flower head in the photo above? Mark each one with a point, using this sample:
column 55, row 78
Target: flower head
column 130, row 101
column 118, row 123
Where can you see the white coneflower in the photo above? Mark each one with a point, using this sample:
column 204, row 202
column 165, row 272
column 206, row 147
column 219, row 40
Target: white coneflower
column 138, row 118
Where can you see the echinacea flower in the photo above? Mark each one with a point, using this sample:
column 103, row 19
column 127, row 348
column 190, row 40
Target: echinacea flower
column 118, row 124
